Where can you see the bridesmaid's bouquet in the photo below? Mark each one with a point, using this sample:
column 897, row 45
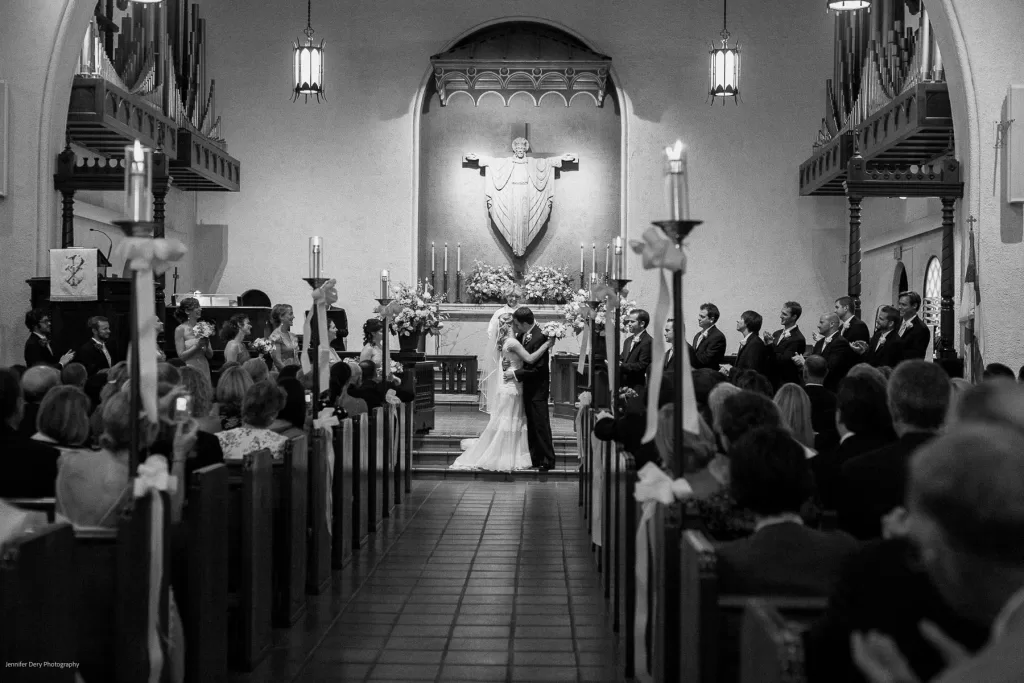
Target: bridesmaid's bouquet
column 397, row 368
column 554, row 330
column 203, row 329
column 262, row 346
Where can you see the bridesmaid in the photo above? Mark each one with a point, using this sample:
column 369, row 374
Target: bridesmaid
column 286, row 347
column 234, row 332
column 373, row 342
column 195, row 351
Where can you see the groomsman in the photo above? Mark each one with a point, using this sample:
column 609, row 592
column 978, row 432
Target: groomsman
column 752, row 354
column 854, row 329
column 636, row 354
column 708, row 348
column 885, row 347
column 95, row 355
column 666, row 393
column 39, row 346
column 913, row 332
column 834, row 348
column 785, row 344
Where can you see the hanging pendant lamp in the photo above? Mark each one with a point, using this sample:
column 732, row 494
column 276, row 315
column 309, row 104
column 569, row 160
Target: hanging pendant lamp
column 309, row 63
column 725, row 66
column 847, row 5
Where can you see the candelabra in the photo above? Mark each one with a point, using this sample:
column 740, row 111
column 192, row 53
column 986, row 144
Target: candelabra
column 433, row 280
column 386, row 362
column 313, row 346
column 458, row 286
column 444, row 283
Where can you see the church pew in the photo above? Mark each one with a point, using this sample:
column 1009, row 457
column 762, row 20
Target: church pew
column 360, row 480
column 708, row 645
column 319, row 547
column 598, row 499
column 204, row 602
column 290, row 474
column 250, row 566
column 410, row 421
column 37, row 590
column 385, row 439
column 44, row 505
column 398, row 457
column 610, row 462
column 375, row 472
column 342, row 496
column 772, row 647
column 628, row 519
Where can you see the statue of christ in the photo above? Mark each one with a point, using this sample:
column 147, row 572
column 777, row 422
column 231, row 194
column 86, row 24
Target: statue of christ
column 520, row 191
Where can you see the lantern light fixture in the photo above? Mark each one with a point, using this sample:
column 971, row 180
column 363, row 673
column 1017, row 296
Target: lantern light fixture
column 309, row 63
column 724, row 67
column 847, row 5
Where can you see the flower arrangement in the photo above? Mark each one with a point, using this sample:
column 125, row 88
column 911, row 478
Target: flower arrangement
column 203, row 329
column 420, row 310
column 544, row 284
column 626, row 393
column 575, row 312
column 489, row 283
column 554, row 330
column 397, row 368
column 262, row 346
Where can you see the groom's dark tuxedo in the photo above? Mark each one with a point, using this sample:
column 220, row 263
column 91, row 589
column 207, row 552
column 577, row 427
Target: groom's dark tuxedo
column 536, row 382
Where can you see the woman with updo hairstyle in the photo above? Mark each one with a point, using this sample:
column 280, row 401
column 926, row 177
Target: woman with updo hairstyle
column 195, row 351
column 373, row 340
column 63, row 418
column 231, row 388
column 286, row 346
column 263, row 401
column 233, row 333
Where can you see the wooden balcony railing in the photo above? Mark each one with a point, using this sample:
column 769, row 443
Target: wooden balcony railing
column 455, row 374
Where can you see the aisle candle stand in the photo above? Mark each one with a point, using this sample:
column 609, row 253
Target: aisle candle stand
column 315, row 281
column 458, row 274
column 384, row 300
column 618, row 282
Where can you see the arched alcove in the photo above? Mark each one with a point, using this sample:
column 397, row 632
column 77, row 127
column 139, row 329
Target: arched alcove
column 900, row 283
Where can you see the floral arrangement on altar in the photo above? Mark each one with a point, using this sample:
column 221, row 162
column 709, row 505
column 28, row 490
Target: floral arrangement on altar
column 420, row 310
column 262, row 346
column 554, row 330
column 203, row 329
column 489, row 283
column 575, row 317
column 543, row 284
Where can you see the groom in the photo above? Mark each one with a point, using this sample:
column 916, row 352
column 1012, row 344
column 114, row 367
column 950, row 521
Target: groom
column 535, row 379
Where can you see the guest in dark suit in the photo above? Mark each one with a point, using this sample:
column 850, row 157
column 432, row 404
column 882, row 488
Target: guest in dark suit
column 636, row 354
column 628, row 430
column 98, row 353
column 708, row 348
column 913, row 332
column 853, row 328
column 752, row 354
column 28, row 469
column 39, row 345
column 785, row 344
column 872, row 484
column 834, row 348
column 823, row 403
column 666, row 393
column 885, row 348
column 769, row 475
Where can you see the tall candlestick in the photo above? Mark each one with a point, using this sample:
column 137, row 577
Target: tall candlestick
column 593, row 257
column 581, row 258
column 458, row 258
column 384, row 285
column 138, row 182
column 446, row 257
column 432, row 268
column 316, row 257
column 618, row 261
column 677, row 184
column 607, row 249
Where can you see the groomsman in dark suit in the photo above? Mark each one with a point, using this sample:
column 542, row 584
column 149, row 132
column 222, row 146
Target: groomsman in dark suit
column 785, row 344
column 752, row 354
column 913, row 332
column 97, row 354
column 885, row 347
column 666, row 394
column 39, row 345
column 853, row 328
column 708, row 348
column 834, row 349
column 636, row 354
column 823, row 403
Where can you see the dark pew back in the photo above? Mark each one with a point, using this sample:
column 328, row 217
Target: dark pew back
column 290, row 475
column 343, row 492
column 360, row 480
column 627, row 526
column 37, row 591
column 375, row 452
column 410, row 430
column 773, row 649
column 319, row 547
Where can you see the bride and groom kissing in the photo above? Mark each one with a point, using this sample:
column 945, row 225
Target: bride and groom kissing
column 515, row 392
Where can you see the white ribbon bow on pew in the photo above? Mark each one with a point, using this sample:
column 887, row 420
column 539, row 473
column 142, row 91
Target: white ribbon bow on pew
column 323, row 296
column 653, row 487
column 152, row 480
column 657, row 251
column 325, row 424
column 585, row 351
column 147, row 256
column 584, row 402
column 612, row 301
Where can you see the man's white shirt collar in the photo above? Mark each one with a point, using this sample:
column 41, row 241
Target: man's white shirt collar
column 787, row 518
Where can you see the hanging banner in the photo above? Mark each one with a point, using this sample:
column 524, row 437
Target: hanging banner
column 73, row 275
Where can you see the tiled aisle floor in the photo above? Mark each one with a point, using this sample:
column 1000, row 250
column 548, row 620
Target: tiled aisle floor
column 485, row 582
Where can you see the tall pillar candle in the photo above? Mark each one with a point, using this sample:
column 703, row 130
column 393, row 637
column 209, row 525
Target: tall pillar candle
column 607, row 249
column 316, row 257
column 458, row 258
column 593, row 257
column 677, row 184
column 581, row 258
column 446, row 257
column 432, row 261
column 384, row 284
column 138, row 183
column 618, row 260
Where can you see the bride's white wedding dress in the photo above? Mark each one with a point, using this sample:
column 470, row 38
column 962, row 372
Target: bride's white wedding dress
column 503, row 446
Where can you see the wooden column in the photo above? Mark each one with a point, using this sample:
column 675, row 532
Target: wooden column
column 159, row 281
column 67, row 218
column 853, row 259
column 945, row 347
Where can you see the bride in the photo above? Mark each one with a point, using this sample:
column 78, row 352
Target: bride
column 503, row 445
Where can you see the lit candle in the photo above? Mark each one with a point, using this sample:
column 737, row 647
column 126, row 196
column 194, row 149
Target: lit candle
column 384, row 284
column 581, row 258
column 316, row 257
column 432, row 262
column 677, row 184
column 619, row 261
column 607, row 249
column 593, row 257
column 458, row 258
column 138, row 182
column 446, row 257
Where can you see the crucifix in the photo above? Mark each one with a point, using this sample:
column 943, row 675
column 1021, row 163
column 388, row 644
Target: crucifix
column 175, row 278
column 520, row 189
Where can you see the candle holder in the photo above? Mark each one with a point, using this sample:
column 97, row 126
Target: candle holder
column 592, row 370
column 313, row 345
column 444, row 281
column 433, row 281
column 385, row 372
column 143, row 229
column 458, row 286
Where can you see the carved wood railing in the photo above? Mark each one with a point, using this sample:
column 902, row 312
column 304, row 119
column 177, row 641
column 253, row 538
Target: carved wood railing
column 455, row 374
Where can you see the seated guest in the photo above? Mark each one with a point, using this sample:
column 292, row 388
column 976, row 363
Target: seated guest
column 206, row 448
column 39, row 346
column 293, row 415
column 197, row 385
column 749, row 380
column 823, row 403
column 373, row 391
column 292, row 371
column 628, row 430
column 35, row 384
column 74, row 375
column 168, row 374
column 769, row 475
column 343, row 377
column 263, row 401
column 795, row 408
column 63, row 419
column 93, row 387
column 257, row 370
column 233, row 333
column 872, row 484
column 231, row 389
column 116, row 377
column 698, row 449
column 703, row 382
column 98, row 353
column 997, row 371
column 27, row 468
column 959, row 388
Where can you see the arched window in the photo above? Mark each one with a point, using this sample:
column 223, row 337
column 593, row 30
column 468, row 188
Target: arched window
column 899, row 281
column 932, row 292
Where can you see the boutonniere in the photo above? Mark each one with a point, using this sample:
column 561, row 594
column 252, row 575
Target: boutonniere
column 529, row 336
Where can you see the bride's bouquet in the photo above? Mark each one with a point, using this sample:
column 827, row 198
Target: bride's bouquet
column 397, row 368
column 203, row 329
column 554, row 330
column 262, row 346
